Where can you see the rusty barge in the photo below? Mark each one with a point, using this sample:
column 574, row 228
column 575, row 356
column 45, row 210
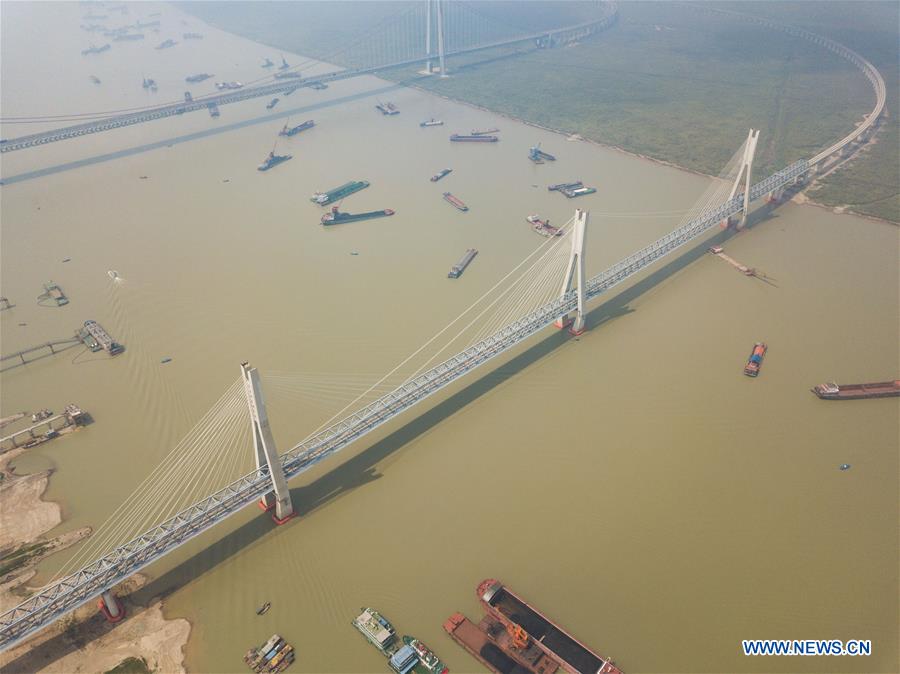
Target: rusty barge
column 531, row 626
column 877, row 389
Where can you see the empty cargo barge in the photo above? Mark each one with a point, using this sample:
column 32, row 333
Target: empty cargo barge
column 457, row 138
column 335, row 217
column 457, row 269
column 877, row 389
column 456, row 202
column 510, row 609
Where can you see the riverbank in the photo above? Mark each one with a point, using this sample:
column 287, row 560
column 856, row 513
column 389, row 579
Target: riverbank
column 83, row 641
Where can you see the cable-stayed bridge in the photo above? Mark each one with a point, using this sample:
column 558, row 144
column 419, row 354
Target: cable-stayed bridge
column 533, row 301
column 428, row 33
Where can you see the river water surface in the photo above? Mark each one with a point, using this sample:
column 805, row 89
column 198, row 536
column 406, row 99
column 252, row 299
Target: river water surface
column 631, row 483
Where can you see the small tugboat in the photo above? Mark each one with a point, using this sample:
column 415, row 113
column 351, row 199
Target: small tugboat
column 455, row 202
column 267, row 64
column 318, row 86
column 265, row 607
column 375, row 628
column 273, row 160
column 294, row 130
column 284, row 64
column 543, row 227
column 431, row 122
column 387, row 108
column 166, row 44
column 440, row 174
column 427, row 658
column 271, row 104
column 755, row 360
column 335, row 217
column 95, row 79
column 113, row 274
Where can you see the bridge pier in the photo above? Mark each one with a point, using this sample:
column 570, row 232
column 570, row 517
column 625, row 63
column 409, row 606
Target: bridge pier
column 575, row 269
column 279, row 499
column 111, row 607
column 775, row 196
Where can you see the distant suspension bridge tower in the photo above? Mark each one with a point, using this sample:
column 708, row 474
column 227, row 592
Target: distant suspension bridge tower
column 434, row 13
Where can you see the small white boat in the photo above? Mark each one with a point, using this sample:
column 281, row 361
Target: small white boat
column 431, row 122
column 113, row 274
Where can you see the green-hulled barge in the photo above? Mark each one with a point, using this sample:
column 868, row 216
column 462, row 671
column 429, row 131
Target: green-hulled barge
column 325, row 198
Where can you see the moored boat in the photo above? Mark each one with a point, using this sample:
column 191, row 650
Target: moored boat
column 431, row 122
column 754, row 362
column 376, row 628
column 426, row 656
column 876, row 389
column 525, row 622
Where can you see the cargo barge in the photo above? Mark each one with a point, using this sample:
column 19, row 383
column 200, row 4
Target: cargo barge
column 578, row 191
column 457, row 269
column 345, row 190
column 335, row 217
column 431, row 122
column 440, row 174
column 485, row 132
column 754, row 362
column 271, row 104
column 876, row 389
column 455, row 202
column 294, row 130
column 96, row 338
column 273, row 160
column 498, row 656
column 387, row 109
column 275, row 655
column 543, row 227
column 573, row 656
column 458, row 138
column 565, row 186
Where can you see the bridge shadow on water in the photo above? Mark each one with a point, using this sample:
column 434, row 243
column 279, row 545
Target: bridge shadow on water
column 362, row 468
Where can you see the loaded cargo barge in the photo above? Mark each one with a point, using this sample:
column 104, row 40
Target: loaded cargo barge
column 335, row 217
column 457, row 138
column 573, row 656
column 324, row 198
column 490, row 643
column 456, row 202
column 754, row 362
column 877, row 389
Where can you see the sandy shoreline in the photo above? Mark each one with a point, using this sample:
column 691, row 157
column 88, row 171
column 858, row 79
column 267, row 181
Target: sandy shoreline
column 82, row 641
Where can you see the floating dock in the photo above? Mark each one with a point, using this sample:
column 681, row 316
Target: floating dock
column 96, row 339
column 457, row 269
column 45, row 429
column 876, row 389
column 52, row 291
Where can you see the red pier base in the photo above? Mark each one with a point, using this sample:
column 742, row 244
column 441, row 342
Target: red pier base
column 110, row 618
column 576, row 333
column 563, row 323
column 285, row 520
column 262, row 506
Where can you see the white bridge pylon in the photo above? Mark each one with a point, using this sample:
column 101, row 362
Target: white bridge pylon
column 743, row 176
column 264, row 445
column 575, row 271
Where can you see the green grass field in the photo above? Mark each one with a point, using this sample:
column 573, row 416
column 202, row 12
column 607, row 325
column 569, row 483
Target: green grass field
column 670, row 80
